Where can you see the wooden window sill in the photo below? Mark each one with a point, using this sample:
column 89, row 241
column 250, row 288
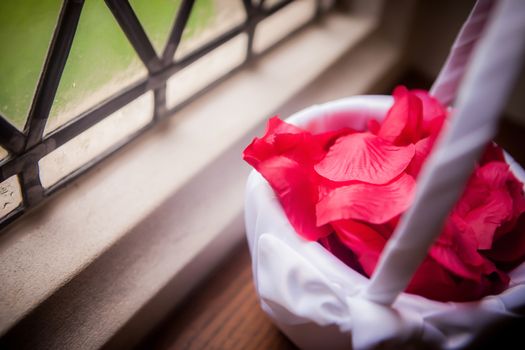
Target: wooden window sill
column 223, row 313
column 107, row 258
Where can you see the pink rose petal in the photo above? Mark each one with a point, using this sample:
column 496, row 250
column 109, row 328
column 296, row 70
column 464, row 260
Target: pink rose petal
column 334, row 245
column 296, row 187
column 371, row 203
column 485, row 219
column 402, row 124
column 492, row 174
column 457, row 250
column 364, row 157
column 422, row 151
column 486, row 205
column 263, row 148
column 432, row 108
column 433, row 281
column 361, row 239
column 492, row 153
column 509, row 250
column 373, row 126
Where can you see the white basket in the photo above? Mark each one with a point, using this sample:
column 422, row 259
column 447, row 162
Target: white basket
column 318, row 301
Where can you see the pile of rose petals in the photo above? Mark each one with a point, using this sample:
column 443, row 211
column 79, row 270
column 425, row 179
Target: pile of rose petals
column 348, row 188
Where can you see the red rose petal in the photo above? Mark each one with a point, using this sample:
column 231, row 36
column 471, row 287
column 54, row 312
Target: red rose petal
column 371, row 203
column 456, row 250
column 285, row 156
column 434, row 114
column 492, row 174
column 296, row 188
column 257, row 151
column 511, row 235
column 432, row 108
column 278, row 126
column 263, row 148
column 489, row 177
column 422, row 150
column 509, row 250
column 364, row 157
column 485, row 219
column 431, row 280
column 441, row 286
column 402, row 124
column 327, row 139
column 334, row 245
column 492, row 153
column 362, row 240
column 300, row 147
column 486, row 205
column 373, row 126
column 515, row 190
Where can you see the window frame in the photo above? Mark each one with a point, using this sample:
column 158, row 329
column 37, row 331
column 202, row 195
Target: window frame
column 27, row 148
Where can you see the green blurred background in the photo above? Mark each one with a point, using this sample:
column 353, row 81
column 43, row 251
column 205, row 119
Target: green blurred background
column 101, row 60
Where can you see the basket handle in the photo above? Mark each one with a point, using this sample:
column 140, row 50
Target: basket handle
column 482, row 95
column 445, row 87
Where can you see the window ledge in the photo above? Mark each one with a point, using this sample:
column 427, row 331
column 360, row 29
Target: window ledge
column 106, row 258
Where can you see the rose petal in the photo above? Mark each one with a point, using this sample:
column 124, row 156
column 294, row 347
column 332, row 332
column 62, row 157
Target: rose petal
column 486, row 205
column 402, row 124
column 328, row 139
column 492, row 153
column 278, row 126
column 263, row 148
column 432, row 108
column 373, row 126
column 456, row 250
column 434, row 114
column 432, row 281
column 439, row 287
column 514, row 188
column 492, row 174
column 489, row 177
column 422, row 151
column 433, row 127
column 362, row 240
column 334, row 245
column 509, row 250
column 257, row 151
column 364, row 157
column 371, row 203
column 302, row 148
column 485, row 219
column 296, row 187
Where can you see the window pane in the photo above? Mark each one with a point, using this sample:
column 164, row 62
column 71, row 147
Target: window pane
column 157, row 18
column 92, row 142
column 101, row 62
column 26, row 29
column 205, row 70
column 283, row 22
column 10, row 195
column 208, row 19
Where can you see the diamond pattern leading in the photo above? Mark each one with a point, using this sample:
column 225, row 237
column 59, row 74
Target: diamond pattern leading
column 209, row 19
column 26, row 30
column 101, row 63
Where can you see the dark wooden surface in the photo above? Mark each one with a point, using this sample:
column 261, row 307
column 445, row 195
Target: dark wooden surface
column 223, row 313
